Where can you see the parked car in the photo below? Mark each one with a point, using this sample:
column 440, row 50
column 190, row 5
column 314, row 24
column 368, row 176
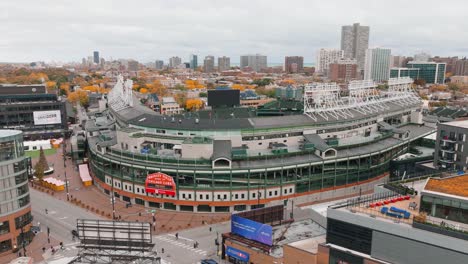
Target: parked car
column 209, row 261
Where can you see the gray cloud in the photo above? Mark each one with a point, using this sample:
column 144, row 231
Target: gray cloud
column 66, row 30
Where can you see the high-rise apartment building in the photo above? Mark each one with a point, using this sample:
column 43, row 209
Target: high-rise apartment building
column 355, row 42
column 133, row 65
column 96, row 57
column 422, row 57
column 431, row 72
column 193, row 61
column 398, row 61
column 461, row 67
column 174, row 62
column 450, row 61
column 15, row 206
column 377, row 64
column 159, row 65
column 451, row 149
column 327, row 56
column 224, row 63
column 208, row 64
column 294, row 64
column 343, row 70
column 257, row 62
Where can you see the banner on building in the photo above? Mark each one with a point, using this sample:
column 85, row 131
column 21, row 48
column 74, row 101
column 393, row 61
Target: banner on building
column 252, row 230
column 237, row 254
column 47, row 117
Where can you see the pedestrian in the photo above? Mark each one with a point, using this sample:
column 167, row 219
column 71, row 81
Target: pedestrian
column 210, row 228
column 43, row 249
column 162, row 250
column 177, row 236
column 46, row 211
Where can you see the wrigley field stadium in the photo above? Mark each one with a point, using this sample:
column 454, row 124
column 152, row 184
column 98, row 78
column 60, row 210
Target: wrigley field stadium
column 228, row 158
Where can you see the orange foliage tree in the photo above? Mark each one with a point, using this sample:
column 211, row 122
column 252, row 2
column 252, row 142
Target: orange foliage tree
column 238, row 87
column 79, row 96
column 157, row 88
column 193, row 84
column 50, row 85
column 193, row 104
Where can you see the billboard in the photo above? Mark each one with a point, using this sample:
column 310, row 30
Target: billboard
column 223, row 98
column 47, row 117
column 252, row 230
column 105, row 234
column 237, row 254
column 160, row 183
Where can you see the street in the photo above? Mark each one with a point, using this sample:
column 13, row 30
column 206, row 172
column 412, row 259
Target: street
column 182, row 251
column 61, row 219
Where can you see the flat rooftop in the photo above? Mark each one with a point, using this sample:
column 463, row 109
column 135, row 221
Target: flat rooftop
column 309, row 244
column 463, row 123
column 454, row 185
column 294, row 232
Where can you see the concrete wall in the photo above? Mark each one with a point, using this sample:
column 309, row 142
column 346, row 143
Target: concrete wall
column 402, row 230
column 293, row 255
column 256, row 256
column 193, row 151
column 401, row 250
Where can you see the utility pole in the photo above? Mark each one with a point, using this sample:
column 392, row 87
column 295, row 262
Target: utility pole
column 23, row 242
column 112, row 194
column 65, row 165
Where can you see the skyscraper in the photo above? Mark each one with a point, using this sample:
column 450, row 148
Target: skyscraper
column 96, row 57
column 343, row 70
column 461, row 67
column 293, row 64
column 377, row 64
column 224, row 63
column 193, row 61
column 422, row 57
column 174, row 62
column 133, row 65
column 208, row 64
column 159, row 64
column 327, row 56
column 257, row 62
column 355, row 42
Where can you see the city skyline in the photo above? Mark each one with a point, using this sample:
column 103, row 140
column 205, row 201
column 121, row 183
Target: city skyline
column 181, row 30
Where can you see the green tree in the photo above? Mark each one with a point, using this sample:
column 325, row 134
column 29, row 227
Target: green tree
column 203, row 94
column 41, row 165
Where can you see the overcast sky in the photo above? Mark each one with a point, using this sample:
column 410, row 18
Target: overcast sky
column 68, row 30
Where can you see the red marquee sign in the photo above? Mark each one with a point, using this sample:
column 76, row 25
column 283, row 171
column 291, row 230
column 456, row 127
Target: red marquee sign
column 160, row 183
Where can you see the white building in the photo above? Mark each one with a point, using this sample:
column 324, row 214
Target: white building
column 377, row 64
column 224, row 63
column 257, row 62
column 174, row 62
column 327, row 56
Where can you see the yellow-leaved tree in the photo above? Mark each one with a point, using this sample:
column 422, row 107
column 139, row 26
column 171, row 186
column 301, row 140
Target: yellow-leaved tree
column 193, row 104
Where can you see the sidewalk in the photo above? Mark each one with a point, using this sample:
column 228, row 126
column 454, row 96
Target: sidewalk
column 92, row 199
column 33, row 250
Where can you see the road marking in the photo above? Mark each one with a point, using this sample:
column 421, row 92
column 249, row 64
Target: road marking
column 181, row 237
column 174, row 242
column 62, row 218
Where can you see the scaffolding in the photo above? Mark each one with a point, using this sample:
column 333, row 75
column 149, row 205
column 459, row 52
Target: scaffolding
column 324, row 100
column 120, row 97
column 401, row 92
column 107, row 242
column 364, row 97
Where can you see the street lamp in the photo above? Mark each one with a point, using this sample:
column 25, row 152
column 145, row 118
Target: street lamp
column 65, row 166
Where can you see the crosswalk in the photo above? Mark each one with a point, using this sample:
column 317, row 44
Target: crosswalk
column 189, row 246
